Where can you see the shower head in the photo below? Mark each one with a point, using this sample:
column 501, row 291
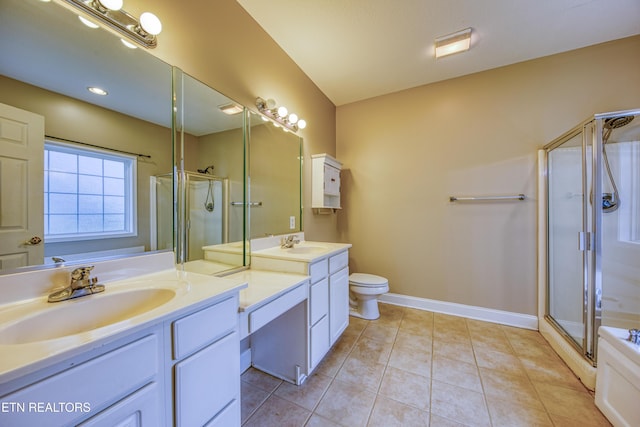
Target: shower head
column 206, row 170
column 611, row 201
column 617, row 122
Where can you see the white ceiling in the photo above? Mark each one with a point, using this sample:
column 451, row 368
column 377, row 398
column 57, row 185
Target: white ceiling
column 358, row 49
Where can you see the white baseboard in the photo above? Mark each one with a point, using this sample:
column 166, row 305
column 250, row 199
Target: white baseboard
column 519, row 320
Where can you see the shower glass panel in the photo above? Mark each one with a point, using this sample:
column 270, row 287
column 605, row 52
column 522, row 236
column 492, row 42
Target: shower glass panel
column 593, row 228
column 620, row 231
column 207, row 213
column 566, row 276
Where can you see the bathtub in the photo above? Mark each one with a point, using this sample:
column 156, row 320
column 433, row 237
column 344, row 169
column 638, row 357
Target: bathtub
column 618, row 377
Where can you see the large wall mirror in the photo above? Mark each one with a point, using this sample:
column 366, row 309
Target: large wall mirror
column 210, row 149
column 275, row 171
column 100, row 180
column 104, row 157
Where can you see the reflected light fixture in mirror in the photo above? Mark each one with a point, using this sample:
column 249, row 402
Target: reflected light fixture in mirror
column 231, row 109
column 113, row 17
column 280, row 115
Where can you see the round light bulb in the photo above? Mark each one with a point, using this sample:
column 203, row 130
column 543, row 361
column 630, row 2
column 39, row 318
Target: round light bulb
column 271, row 103
column 150, row 23
column 302, row 124
column 111, row 4
column 282, row 111
column 293, row 118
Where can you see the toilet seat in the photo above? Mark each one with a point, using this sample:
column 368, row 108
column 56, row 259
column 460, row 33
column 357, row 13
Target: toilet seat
column 367, row 280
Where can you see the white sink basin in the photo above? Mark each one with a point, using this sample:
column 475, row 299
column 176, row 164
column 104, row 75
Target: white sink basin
column 61, row 319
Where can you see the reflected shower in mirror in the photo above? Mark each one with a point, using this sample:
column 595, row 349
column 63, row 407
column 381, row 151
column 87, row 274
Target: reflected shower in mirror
column 275, row 174
column 100, row 197
column 210, row 145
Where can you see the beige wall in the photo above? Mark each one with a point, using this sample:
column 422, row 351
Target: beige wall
column 218, row 43
column 405, row 153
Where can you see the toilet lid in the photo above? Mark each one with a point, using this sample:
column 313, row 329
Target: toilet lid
column 363, row 279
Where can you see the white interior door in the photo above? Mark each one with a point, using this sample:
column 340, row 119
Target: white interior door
column 21, row 188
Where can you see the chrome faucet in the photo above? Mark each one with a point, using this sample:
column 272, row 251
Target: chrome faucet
column 289, row 241
column 81, row 284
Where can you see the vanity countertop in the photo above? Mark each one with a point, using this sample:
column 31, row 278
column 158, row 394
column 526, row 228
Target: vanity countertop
column 264, row 286
column 305, row 251
column 192, row 290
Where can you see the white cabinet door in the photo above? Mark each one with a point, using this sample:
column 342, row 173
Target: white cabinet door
column 319, row 341
column 338, row 303
column 331, row 180
column 207, row 381
column 142, row 408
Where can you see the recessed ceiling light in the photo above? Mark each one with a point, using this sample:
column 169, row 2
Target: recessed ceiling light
column 453, row 43
column 97, row 91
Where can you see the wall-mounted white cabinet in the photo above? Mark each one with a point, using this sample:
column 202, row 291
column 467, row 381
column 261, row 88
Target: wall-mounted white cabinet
column 325, row 182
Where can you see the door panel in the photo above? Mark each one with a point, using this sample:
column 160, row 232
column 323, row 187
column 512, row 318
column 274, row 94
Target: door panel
column 565, row 224
column 21, row 188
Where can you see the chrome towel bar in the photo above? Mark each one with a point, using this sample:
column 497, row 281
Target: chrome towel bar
column 248, row 203
column 486, row 198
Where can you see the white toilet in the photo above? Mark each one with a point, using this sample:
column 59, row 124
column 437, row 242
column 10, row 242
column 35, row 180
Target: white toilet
column 364, row 290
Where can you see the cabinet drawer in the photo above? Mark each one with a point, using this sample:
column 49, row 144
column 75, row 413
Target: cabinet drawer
column 318, row 270
column 338, row 262
column 319, row 300
column 207, row 381
column 198, row 329
column 118, row 373
column 275, row 308
column 319, row 341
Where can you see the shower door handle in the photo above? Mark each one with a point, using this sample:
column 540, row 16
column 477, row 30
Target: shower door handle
column 584, row 241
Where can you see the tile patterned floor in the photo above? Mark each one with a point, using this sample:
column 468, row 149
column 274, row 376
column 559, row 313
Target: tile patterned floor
column 417, row 368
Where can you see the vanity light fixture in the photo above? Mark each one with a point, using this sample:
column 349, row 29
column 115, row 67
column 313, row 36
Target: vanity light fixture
column 280, row 115
column 112, row 16
column 459, row 41
column 231, row 109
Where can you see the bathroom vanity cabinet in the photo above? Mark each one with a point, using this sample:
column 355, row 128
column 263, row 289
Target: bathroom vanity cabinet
column 325, row 182
column 184, row 371
column 328, row 315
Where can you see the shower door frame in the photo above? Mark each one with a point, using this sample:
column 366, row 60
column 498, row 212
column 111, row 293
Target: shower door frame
column 588, row 241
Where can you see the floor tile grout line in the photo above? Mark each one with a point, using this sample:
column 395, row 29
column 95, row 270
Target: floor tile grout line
column 482, row 386
column 333, row 378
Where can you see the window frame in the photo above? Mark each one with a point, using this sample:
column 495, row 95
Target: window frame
column 130, row 196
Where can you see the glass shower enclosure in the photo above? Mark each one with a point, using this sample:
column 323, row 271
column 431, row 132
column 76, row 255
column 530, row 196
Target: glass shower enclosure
column 593, row 229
